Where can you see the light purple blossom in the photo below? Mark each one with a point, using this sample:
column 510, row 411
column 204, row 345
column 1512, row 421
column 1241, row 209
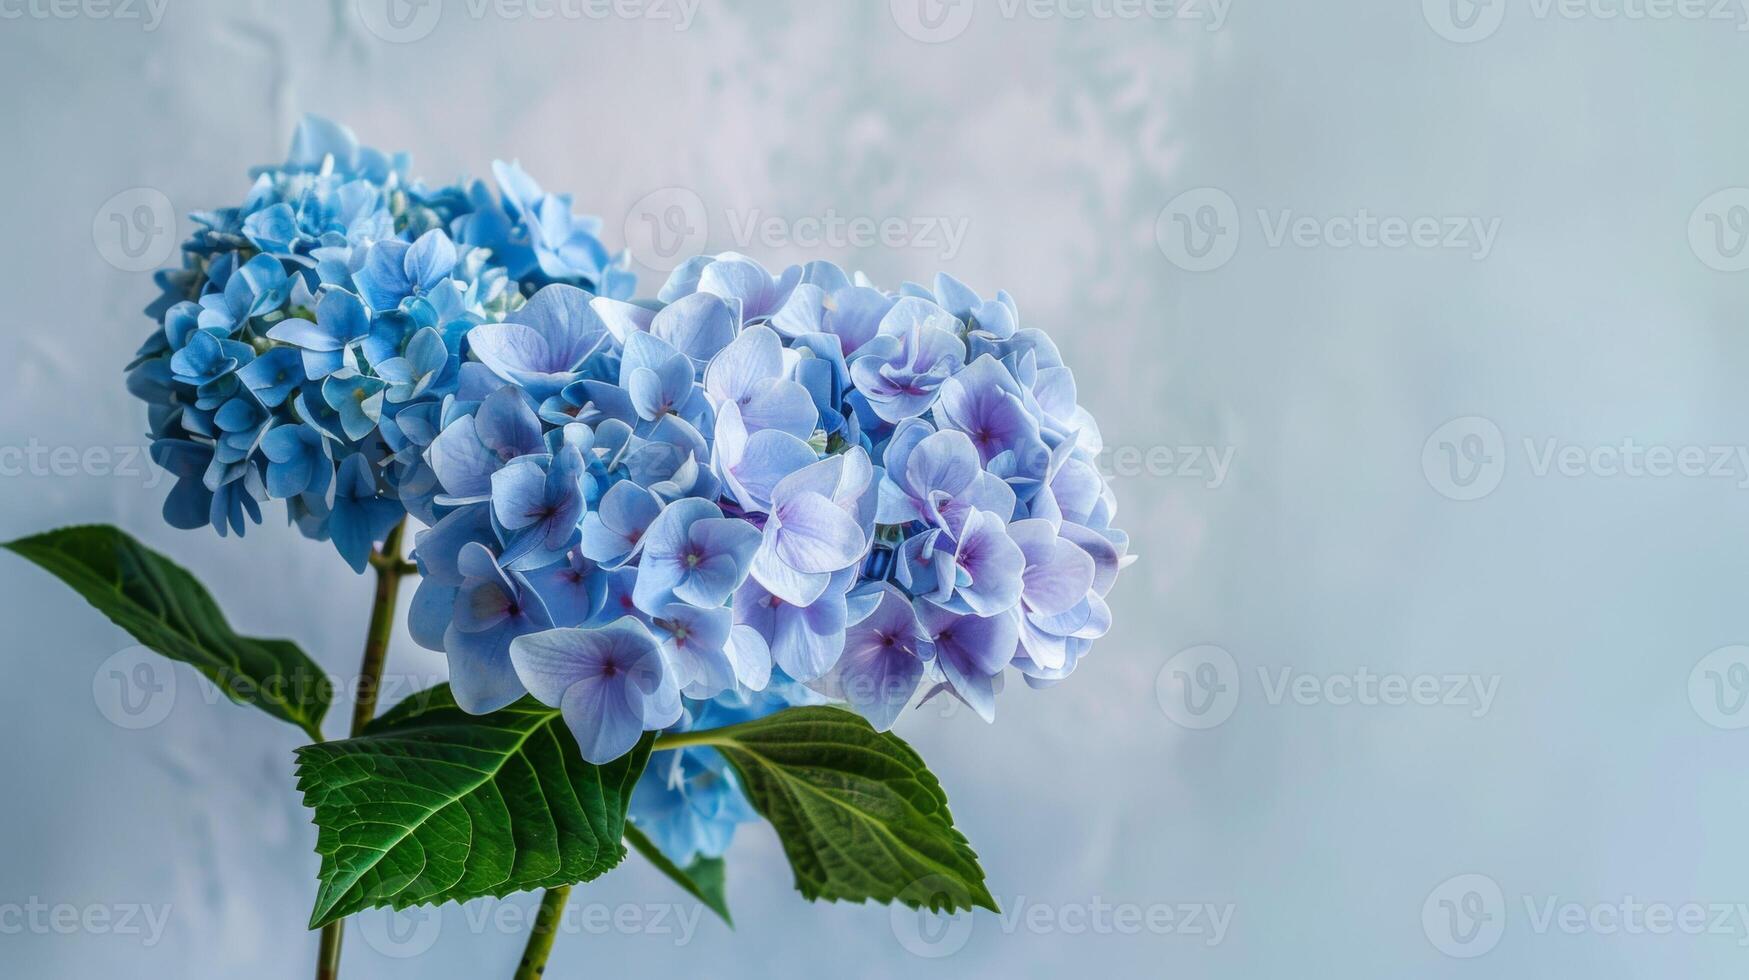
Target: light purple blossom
column 902, row 368
column 821, row 518
column 883, row 660
column 543, row 346
column 609, row 684
column 693, row 554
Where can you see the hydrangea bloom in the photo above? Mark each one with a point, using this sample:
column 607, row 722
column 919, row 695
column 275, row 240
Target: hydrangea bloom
column 314, row 341
column 756, row 490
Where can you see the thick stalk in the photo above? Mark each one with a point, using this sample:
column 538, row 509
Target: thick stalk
column 540, row 938
column 390, row 567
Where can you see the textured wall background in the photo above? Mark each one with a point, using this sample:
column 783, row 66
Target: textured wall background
column 1590, row 296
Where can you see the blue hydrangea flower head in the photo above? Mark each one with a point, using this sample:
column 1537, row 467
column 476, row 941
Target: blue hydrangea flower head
column 760, row 482
column 327, row 318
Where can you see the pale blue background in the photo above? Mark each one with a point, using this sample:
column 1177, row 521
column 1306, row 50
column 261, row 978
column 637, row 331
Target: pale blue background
column 1057, row 142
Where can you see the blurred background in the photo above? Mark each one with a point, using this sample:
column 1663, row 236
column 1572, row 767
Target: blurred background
column 1415, row 329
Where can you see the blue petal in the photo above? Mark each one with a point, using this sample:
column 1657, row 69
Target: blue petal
column 507, row 425
column 882, row 662
column 572, row 591
column 273, row 375
column 994, row 563
column 783, row 406
column 519, row 494
column 1059, row 574
column 429, row 614
column 749, row 657
column 383, row 281
column 783, row 581
column 480, row 672
column 430, row 260
column 816, row 535
column 439, row 547
column 603, row 681
column 755, row 356
column 606, row 718
column 975, row 645
column 615, row 529
column 698, row 326
column 462, row 463
column 727, row 545
column 564, row 318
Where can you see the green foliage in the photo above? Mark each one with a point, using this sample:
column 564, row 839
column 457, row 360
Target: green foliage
column 167, row 610
column 432, row 804
column 859, row 814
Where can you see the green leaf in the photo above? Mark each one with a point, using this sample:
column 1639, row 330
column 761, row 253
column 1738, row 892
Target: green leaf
column 702, row 879
column 167, row 610
column 432, row 804
column 859, row 814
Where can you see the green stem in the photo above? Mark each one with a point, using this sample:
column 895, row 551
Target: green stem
column 382, row 626
column 328, row 956
column 390, row 568
column 540, row 938
column 681, row 740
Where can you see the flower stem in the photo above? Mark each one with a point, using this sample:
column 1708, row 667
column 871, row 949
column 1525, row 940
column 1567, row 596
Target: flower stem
column 382, row 626
column 328, row 956
column 390, row 568
column 540, row 938
column 681, row 740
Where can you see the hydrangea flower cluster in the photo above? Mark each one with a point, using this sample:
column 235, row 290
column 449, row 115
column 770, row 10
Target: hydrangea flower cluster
column 753, row 491
column 655, row 512
column 306, row 348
